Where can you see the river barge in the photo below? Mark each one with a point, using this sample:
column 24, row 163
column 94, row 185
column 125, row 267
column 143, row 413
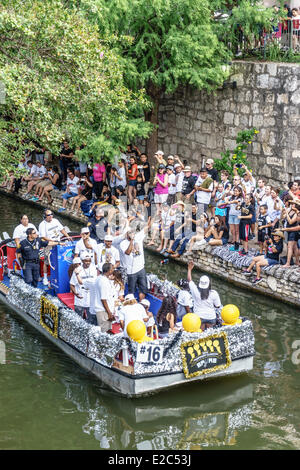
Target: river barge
column 130, row 368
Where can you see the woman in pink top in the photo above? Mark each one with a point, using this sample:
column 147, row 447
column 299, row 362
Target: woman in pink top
column 161, row 188
column 99, row 175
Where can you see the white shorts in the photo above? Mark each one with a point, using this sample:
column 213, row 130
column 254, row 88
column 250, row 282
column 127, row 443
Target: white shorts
column 160, row 198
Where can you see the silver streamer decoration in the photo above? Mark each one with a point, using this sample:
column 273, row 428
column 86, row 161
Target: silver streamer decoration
column 103, row 348
column 158, row 287
column 240, row 339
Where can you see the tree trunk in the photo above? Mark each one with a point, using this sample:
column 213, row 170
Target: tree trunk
column 152, row 116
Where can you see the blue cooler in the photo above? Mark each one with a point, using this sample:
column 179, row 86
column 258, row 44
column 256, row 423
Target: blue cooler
column 61, row 259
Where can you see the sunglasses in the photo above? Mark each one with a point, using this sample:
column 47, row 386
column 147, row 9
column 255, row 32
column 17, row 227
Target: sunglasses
column 48, row 215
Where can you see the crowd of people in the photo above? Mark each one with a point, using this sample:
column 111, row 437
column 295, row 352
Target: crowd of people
column 97, row 277
column 180, row 209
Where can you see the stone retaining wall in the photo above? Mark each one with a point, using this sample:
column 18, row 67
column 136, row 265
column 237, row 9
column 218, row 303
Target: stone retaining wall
column 279, row 283
column 267, row 97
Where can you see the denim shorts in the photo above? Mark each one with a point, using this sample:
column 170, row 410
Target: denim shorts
column 233, row 220
column 68, row 195
column 271, row 262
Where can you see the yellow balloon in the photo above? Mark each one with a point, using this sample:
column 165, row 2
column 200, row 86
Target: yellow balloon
column 230, row 315
column 144, row 339
column 136, row 330
column 191, row 322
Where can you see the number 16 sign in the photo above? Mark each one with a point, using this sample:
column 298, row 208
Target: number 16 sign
column 147, row 353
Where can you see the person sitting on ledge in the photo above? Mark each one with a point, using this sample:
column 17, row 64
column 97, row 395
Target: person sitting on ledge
column 273, row 248
column 72, row 189
column 217, row 234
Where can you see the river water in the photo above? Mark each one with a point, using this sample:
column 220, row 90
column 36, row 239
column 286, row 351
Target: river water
column 48, row 402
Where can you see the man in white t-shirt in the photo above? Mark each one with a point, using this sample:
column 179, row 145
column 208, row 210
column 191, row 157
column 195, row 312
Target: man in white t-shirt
column 101, row 296
column 72, row 189
column 172, row 185
column 205, row 300
column 88, row 272
column 106, row 253
column 37, row 173
column 130, row 311
column 179, row 175
column 87, row 244
column 20, row 231
column 50, row 229
column 133, row 250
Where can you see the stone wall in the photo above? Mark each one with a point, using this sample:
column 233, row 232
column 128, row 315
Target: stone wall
column 267, row 97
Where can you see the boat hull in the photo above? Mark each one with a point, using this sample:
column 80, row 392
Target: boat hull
column 121, row 381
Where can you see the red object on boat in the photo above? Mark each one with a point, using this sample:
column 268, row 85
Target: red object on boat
column 11, row 256
column 67, row 299
column 42, row 268
column 116, row 328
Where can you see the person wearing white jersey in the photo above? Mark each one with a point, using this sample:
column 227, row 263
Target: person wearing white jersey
column 106, row 253
column 134, row 260
column 50, row 229
column 20, row 230
column 101, row 296
column 205, row 300
column 87, row 244
column 88, row 272
column 130, row 311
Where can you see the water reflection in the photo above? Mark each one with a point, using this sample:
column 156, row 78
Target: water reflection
column 188, row 419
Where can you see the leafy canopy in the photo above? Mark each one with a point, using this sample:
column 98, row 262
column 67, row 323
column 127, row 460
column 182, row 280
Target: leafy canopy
column 62, row 80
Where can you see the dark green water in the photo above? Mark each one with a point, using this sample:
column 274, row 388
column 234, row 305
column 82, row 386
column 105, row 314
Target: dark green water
column 48, row 402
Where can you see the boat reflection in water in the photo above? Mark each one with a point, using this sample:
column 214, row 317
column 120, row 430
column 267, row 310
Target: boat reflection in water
column 176, row 420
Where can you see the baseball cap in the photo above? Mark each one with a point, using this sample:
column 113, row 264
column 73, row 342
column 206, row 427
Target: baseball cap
column 170, row 156
column 129, row 297
column 85, row 230
column 159, row 152
column 85, row 255
column 161, row 166
column 170, row 167
column 209, row 160
column 187, row 168
column 204, row 282
column 76, row 260
column 145, row 302
column 176, row 165
column 203, row 169
column 108, row 238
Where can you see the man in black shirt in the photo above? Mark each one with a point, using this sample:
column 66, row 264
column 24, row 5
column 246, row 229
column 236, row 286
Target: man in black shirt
column 188, row 184
column 145, row 170
column 273, row 248
column 65, row 159
column 28, row 251
column 213, row 173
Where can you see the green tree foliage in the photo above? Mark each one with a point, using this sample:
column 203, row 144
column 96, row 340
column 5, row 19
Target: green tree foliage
column 238, row 156
column 62, row 81
column 164, row 44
